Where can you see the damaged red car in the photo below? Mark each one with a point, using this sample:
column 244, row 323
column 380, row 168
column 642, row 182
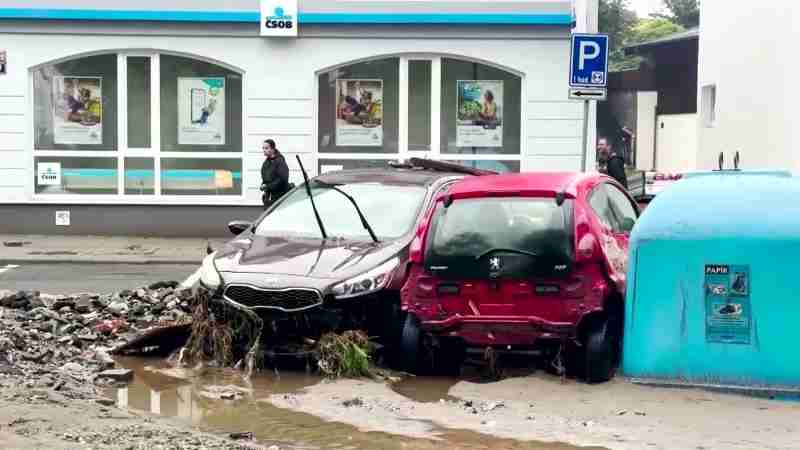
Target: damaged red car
column 523, row 263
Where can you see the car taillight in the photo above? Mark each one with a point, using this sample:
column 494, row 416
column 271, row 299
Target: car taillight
column 586, row 247
column 415, row 250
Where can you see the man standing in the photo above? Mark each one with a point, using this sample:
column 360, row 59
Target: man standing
column 613, row 162
column 274, row 174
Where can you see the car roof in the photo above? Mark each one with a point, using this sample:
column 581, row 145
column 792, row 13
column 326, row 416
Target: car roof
column 388, row 175
column 536, row 183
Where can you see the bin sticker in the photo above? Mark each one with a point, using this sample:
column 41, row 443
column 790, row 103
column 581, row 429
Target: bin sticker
column 727, row 297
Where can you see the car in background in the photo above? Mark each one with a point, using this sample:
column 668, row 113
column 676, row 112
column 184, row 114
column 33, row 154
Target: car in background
column 331, row 254
column 644, row 186
column 529, row 263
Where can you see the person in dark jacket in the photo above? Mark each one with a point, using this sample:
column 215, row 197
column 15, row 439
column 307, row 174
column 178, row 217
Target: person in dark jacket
column 612, row 163
column 274, row 174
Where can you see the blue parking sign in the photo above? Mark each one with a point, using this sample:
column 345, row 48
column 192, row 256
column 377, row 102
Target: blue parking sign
column 589, row 60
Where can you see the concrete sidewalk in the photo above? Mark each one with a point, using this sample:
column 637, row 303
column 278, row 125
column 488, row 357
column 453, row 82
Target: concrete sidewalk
column 15, row 249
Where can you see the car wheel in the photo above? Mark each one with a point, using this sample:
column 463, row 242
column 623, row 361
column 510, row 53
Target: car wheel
column 598, row 354
column 448, row 358
column 411, row 345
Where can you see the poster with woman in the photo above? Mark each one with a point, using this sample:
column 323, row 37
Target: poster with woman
column 201, row 111
column 78, row 110
column 480, row 113
column 359, row 113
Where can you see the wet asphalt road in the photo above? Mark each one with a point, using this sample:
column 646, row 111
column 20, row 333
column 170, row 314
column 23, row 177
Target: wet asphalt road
column 97, row 278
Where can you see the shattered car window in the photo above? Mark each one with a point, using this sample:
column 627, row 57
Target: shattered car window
column 391, row 210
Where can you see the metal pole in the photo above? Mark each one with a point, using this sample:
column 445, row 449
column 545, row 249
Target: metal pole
column 584, row 152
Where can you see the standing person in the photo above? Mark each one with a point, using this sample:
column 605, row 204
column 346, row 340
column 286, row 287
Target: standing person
column 274, row 174
column 613, row 162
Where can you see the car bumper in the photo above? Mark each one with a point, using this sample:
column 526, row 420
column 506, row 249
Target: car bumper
column 501, row 330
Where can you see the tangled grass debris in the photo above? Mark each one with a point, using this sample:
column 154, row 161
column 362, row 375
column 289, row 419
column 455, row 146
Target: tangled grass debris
column 222, row 334
column 344, row 355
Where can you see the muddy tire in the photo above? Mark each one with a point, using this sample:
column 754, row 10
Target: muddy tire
column 411, row 351
column 598, row 361
column 448, row 358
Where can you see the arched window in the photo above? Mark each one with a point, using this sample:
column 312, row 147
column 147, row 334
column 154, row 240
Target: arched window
column 137, row 124
column 419, row 105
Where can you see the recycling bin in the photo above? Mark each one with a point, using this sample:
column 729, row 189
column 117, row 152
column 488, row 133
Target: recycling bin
column 713, row 286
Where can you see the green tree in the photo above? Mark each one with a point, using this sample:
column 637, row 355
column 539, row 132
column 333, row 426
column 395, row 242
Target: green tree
column 684, row 12
column 644, row 30
column 615, row 18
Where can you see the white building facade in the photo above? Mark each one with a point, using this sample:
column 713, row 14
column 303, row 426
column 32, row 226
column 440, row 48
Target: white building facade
column 115, row 110
column 747, row 84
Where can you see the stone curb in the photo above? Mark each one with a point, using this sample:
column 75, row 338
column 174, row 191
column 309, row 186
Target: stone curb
column 19, row 260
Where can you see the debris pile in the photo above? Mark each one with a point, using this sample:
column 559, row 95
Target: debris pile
column 58, row 340
column 344, row 355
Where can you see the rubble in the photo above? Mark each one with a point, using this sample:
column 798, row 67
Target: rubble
column 66, row 340
column 117, row 374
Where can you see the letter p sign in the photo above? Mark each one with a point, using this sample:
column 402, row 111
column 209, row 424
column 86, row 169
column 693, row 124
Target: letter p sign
column 588, row 60
column 588, row 50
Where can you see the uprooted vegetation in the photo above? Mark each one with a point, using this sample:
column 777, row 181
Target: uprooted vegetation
column 224, row 335
column 344, row 355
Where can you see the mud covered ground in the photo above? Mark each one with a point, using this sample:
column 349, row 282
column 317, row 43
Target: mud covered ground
column 56, row 392
column 615, row 415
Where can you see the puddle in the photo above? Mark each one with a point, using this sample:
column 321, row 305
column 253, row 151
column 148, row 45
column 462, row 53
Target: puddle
column 426, row 389
column 177, row 393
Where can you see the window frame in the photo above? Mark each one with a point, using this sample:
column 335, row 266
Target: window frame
column 434, row 152
column 122, row 149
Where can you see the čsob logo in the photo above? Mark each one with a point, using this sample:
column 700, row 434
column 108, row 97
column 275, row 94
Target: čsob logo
column 49, row 175
column 279, row 20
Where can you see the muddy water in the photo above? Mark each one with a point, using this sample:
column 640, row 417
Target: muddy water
column 179, row 393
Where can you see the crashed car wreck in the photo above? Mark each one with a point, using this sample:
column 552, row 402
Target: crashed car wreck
column 332, row 254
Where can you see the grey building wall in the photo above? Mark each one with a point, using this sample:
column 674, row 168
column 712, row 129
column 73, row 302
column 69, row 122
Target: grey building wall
column 128, row 220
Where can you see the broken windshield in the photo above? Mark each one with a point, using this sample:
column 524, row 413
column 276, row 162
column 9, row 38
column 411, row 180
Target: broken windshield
column 391, row 210
column 531, row 235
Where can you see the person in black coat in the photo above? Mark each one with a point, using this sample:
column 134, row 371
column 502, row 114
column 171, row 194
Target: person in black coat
column 612, row 163
column 274, row 174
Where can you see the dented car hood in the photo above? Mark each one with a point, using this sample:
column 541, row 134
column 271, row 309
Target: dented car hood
column 297, row 258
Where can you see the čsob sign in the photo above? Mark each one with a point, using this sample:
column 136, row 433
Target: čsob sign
column 279, row 18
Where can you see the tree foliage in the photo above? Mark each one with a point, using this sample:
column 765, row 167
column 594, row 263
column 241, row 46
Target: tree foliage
column 685, row 13
column 615, row 18
column 618, row 21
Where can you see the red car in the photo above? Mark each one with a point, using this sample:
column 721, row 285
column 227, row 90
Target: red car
column 522, row 262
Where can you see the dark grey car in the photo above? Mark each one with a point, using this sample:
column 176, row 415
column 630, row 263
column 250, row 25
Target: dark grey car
column 282, row 268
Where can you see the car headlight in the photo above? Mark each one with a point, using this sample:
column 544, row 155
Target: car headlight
column 368, row 282
column 209, row 277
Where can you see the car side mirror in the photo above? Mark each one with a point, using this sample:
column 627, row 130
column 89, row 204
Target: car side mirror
column 628, row 224
column 238, row 227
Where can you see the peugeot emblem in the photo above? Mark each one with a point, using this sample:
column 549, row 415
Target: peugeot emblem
column 494, row 264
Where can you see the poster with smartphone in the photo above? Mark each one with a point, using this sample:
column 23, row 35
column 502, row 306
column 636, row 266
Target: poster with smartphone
column 201, row 111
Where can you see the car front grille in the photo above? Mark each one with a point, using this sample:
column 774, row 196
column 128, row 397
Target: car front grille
column 288, row 300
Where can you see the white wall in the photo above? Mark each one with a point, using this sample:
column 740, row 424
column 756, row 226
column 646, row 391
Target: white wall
column 280, row 91
column 748, row 50
column 646, row 103
column 676, row 142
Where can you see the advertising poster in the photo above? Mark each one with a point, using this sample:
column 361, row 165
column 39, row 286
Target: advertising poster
column 480, row 113
column 78, row 110
column 359, row 113
column 201, row 111
column 727, row 297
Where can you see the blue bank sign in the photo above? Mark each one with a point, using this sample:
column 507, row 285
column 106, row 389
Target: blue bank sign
column 589, row 60
column 279, row 18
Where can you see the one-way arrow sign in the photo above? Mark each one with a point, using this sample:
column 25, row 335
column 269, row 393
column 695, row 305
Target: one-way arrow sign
column 587, row 93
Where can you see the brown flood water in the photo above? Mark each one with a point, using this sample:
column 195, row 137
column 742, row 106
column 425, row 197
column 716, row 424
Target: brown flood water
column 173, row 393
